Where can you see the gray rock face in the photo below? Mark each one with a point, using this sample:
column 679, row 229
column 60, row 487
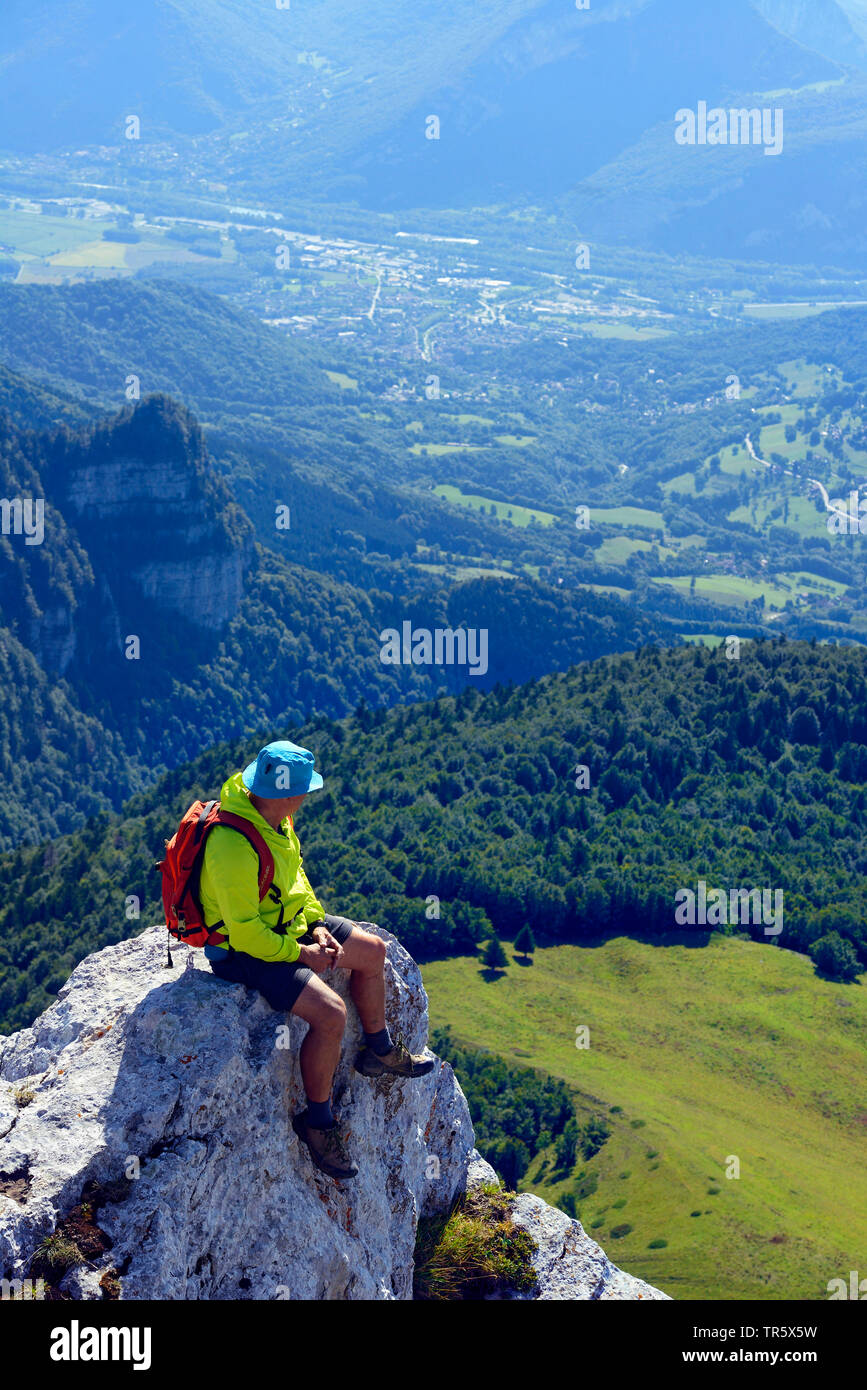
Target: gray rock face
column 568, row 1263
column 142, row 495
column 186, row 1086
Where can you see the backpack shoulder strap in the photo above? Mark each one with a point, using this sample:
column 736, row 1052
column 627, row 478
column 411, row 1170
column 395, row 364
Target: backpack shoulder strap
column 257, row 840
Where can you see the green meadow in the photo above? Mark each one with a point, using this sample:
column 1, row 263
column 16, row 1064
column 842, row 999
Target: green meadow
column 698, row 1055
column 435, row 450
column 54, row 249
column 459, row 573
column 616, row 550
column 772, row 440
column 804, row 581
column 628, row 516
column 809, row 379
column 786, row 311
column 623, row 330
column 32, row 234
column 730, row 589
column 802, row 515
column 607, row 589
column 519, row 516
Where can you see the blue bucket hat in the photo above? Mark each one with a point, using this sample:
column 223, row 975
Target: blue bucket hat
column 281, row 769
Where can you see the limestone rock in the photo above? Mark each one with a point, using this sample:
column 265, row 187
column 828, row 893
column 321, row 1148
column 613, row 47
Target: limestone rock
column 568, row 1263
column 145, row 500
column 169, row 1093
column 191, row 1082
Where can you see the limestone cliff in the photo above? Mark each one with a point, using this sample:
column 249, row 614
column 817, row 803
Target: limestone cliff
column 168, row 1094
column 145, row 500
column 130, row 509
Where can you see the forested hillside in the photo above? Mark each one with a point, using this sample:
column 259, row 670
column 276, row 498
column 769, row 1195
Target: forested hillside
column 398, row 509
column 448, row 819
column 166, row 628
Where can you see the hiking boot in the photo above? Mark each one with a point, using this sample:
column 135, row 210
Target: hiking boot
column 327, row 1149
column 398, row 1062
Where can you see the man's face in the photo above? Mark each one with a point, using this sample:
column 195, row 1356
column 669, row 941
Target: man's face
column 277, row 808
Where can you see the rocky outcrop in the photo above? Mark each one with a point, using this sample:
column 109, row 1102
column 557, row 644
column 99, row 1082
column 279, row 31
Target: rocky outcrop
column 163, row 1098
column 146, row 501
column 568, row 1263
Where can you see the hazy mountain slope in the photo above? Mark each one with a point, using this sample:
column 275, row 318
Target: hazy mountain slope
column 189, row 67
column 72, row 76
column 534, row 97
column 173, row 337
column 805, row 205
column 521, row 82
column 822, row 25
column 856, row 10
column 42, row 407
column 557, row 97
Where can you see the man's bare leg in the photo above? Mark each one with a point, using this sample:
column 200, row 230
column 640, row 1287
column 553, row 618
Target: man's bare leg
column 325, row 1011
column 364, row 955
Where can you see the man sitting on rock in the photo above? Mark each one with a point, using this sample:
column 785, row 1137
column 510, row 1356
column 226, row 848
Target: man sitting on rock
column 283, row 944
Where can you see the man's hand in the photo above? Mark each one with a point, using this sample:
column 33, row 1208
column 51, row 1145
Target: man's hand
column 322, row 936
column 317, row 957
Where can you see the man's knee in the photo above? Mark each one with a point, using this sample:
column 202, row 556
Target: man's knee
column 375, row 951
column 329, row 1015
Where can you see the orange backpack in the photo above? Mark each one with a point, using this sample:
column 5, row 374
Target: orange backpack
column 182, row 869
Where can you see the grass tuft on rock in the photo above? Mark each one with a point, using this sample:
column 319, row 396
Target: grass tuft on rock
column 54, row 1256
column 475, row 1251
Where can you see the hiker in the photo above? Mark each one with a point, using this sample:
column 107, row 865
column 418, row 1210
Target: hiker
column 284, row 944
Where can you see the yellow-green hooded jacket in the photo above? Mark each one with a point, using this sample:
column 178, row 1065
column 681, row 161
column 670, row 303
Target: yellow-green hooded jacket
column 229, row 888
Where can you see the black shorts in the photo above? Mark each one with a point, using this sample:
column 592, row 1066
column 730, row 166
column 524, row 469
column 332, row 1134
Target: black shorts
column 280, row 982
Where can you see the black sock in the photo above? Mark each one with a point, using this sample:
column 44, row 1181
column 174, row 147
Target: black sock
column 319, row 1114
column 380, row 1042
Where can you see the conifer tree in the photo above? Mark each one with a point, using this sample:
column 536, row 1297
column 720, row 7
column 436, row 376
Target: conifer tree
column 525, row 943
column 494, row 956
